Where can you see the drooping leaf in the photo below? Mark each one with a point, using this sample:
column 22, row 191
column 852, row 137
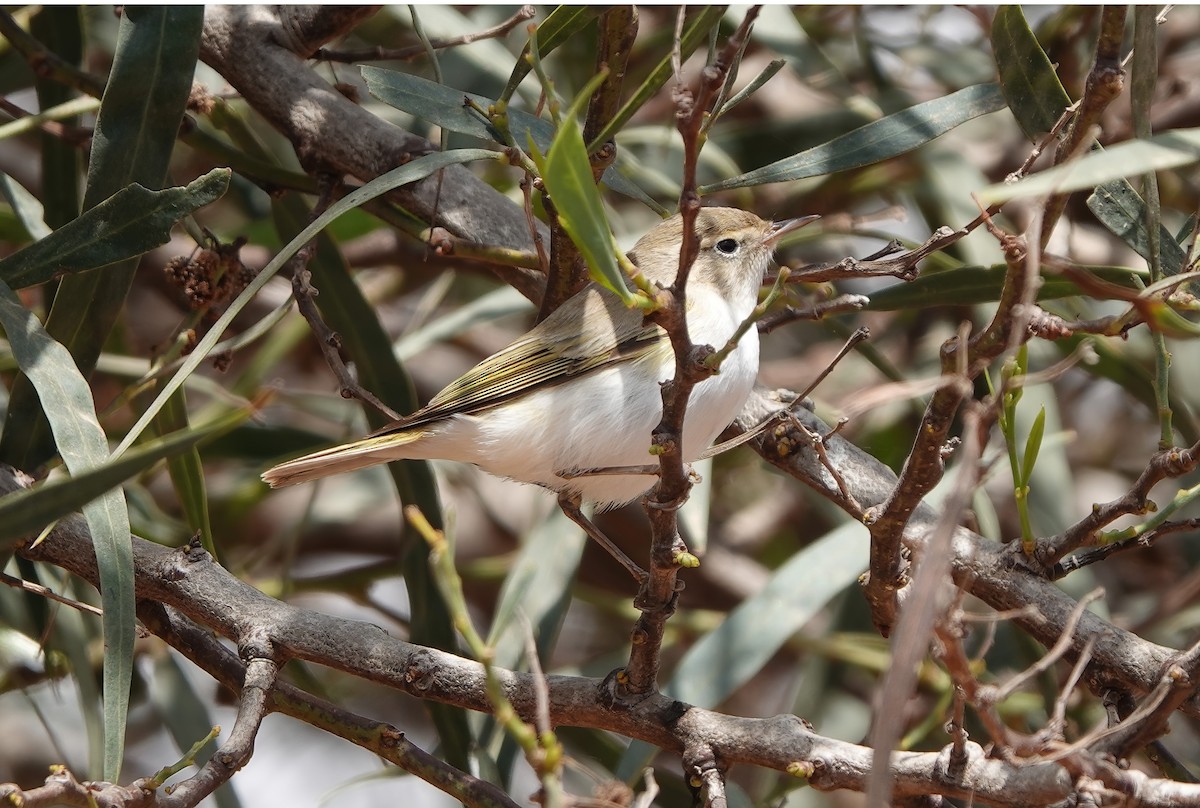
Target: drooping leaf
column 879, row 140
column 127, row 224
column 1027, row 78
column 71, row 413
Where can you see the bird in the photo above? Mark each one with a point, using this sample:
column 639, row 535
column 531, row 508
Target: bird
column 581, row 390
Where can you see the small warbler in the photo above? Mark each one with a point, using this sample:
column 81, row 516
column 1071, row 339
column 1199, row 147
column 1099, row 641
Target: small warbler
column 581, row 390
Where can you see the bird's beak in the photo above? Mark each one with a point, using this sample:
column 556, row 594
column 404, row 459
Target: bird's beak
column 780, row 229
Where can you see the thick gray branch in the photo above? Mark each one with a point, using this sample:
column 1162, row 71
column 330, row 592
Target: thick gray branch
column 261, row 51
column 187, row 580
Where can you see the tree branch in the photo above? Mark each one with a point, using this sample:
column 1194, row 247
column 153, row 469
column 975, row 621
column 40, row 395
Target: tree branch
column 260, row 50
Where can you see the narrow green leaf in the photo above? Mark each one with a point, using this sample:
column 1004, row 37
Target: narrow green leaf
column 970, row 285
column 730, row 656
column 187, row 472
column 28, row 511
column 1027, row 78
column 560, row 25
column 874, row 142
column 144, row 98
column 1121, row 209
column 1168, row 150
column 127, row 224
column 568, row 178
column 1033, row 445
column 70, row 410
column 444, row 107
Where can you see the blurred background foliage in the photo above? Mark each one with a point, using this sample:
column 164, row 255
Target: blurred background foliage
column 779, row 563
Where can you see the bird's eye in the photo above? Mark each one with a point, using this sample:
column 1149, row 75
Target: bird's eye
column 728, row 246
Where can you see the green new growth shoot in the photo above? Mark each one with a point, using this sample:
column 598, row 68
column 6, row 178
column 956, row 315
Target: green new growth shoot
column 1012, row 378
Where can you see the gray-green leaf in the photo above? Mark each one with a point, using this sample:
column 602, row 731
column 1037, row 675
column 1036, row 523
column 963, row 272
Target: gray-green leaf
column 443, row 106
column 877, row 141
column 1174, row 149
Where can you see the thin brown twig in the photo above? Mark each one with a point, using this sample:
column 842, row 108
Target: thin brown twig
column 327, row 340
column 813, row 312
column 958, row 665
column 1093, row 555
column 859, row 335
column 902, row 266
column 47, row 592
column 668, row 553
column 817, row 442
column 1168, row 463
column 1058, row 718
column 1067, row 116
column 1002, row 692
column 72, row 135
column 378, row 54
column 1105, row 81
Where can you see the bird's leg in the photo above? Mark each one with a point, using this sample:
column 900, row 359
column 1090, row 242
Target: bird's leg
column 600, row 471
column 570, row 506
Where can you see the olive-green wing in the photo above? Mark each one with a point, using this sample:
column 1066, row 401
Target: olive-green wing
column 556, row 350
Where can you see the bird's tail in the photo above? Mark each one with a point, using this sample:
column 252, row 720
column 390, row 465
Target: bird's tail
column 370, row 451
